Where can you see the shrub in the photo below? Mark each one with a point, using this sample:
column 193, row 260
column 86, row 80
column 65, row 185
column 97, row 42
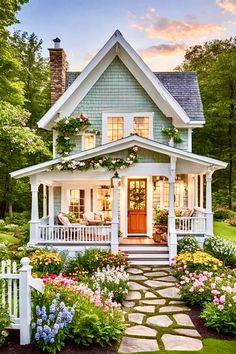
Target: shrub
column 4, row 318
column 232, row 221
column 92, row 259
column 4, row 252
column 220, row 248
column 46, row 262
column 20, row 219
column 112, row 281
column 223, row 214
column 50, row 325
column 187, row 244
column 161, row 216
column 197, row 261
column 221, row 312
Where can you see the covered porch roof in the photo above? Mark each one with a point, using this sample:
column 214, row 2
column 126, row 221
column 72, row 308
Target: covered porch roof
column 187, row 162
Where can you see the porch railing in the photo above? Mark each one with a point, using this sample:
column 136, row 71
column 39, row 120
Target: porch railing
column 190, row 225
column 74, row 234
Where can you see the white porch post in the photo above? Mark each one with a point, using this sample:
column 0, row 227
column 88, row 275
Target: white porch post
column 201, row 192
column 115, row 219
column 209, row 214
column 34, row 222
column 51, row 206
column 172, row 237
column 44, row 201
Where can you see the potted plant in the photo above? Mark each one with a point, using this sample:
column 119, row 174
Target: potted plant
column 173, row 135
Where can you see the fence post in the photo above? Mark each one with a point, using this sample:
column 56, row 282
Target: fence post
column 25, row 301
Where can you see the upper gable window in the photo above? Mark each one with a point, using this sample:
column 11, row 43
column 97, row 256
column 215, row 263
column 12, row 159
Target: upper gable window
column 88, row 141
column 119, row 125
column 141, row 126
column 115, row 128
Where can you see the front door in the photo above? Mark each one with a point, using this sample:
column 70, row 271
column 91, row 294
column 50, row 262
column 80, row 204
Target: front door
column 137, row 206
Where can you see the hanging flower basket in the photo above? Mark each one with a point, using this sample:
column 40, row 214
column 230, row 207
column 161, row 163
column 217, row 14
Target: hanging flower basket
column 173, row 135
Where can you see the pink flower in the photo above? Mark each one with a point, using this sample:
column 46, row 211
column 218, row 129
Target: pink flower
column 222, row 298
column 234, row 299
column 215, row 292
column 220, row 307
column 191, row 290
column 213, row 285
column 216, row 301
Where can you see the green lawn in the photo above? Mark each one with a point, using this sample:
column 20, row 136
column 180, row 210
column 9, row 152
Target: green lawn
column 210, row 346
column 7, row 237
column 225, row 230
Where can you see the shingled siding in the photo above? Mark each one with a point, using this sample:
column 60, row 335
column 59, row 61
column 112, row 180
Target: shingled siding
column 118, row 91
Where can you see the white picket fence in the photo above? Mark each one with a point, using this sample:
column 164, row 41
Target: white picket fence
column 16, row 295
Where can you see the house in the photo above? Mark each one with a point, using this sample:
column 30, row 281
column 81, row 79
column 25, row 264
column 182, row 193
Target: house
column 122, row 146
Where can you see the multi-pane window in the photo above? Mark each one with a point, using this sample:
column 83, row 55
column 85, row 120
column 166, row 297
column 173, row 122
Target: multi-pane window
column 178, row 185
column 141, row 126
column 88, row 141
column 103, row 200
column 77, row 202
column 115, row 128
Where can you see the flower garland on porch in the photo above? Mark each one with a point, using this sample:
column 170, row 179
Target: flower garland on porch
column 108, row 162
column 68, row 127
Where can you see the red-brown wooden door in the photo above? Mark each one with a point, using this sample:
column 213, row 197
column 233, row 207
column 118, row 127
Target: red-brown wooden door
column 137, row 206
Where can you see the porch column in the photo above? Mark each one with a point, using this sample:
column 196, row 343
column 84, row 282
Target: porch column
column 201, row 192
column 209, row 214
column 44, row 201
column 115, row 219
column 51, row 206
column 172, row 237
column 34, row 222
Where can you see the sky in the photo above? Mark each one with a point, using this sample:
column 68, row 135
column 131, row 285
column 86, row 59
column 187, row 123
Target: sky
column 159, row 30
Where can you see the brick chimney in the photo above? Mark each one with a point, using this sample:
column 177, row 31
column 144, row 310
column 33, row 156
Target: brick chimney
column 57, row 70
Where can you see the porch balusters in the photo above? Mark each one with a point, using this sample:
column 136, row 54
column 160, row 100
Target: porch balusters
column 115, row 219
column 172, row 239
column 209, row 214
column 34, row 222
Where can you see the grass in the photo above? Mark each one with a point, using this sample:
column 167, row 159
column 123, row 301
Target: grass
column 6, row 237
column 210, row 346
column 225, row 230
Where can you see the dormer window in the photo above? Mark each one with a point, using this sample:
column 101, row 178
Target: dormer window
column 118, row 125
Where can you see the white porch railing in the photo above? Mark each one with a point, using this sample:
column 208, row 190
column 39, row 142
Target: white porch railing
column 16, row 295
column 190, row 225
column 74, row 234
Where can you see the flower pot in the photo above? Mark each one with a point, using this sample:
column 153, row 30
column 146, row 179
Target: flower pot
column 171, row 141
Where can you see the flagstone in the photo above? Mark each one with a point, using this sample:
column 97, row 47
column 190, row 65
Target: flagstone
column 157, row 284
column 133, row 295
column 146, row 309
column 155, row 274
column 154, row 302
column 134, row 271
column 135, row 286
column 187, row 332
column 174, row 309
column 128, row 304
column 183, row 320
column 175, row 342
column 177, row 302
column 171, row 292
column 149, row 295
column 168, row 278
column 136, row 345
column 136, row 317
column 137, row 277
column 142, row 331
column 159, row 320
column 146, row 268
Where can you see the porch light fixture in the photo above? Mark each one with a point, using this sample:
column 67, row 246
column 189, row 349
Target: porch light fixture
column 115, row 177
column 155, row 180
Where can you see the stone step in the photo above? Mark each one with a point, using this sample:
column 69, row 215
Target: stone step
column 149, row 262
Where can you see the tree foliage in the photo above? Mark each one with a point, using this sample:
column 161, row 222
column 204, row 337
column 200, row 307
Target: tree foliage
column 215, row 64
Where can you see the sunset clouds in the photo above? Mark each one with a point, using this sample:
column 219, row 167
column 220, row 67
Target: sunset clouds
column 162, row 50
column 227, row 5
column 160, row 27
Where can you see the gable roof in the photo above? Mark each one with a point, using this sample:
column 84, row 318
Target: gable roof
column 183, row 86
column 121, row 144
column 116, row 46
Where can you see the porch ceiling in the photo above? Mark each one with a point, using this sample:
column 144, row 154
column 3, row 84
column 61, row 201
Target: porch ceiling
column 185, row 160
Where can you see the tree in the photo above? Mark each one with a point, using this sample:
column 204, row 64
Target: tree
column 34, row 74
column 215, row 64
column 19, row 144
column 11, row 88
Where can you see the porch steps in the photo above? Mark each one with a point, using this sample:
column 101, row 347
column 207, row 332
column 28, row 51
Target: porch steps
column 146, row 254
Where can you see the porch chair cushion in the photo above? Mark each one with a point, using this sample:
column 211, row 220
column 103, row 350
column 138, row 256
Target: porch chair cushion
column 62, row 219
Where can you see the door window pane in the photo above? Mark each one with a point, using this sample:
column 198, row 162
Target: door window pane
column 137, row 195
column 115, row 128
column 141, row 126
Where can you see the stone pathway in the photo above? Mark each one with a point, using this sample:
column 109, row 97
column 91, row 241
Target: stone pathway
column 155, row 316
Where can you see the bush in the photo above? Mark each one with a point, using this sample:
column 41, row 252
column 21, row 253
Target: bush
column 46, row 262
column 223, row 214
column 194, row 262
column 220, row 248
column 4, row 252
column 92, row 259
column 111, row 282
column 161, row 216
column 232, row 221
column 187, row 244
column 4, row 319
column 20, row 219
column 221, row 312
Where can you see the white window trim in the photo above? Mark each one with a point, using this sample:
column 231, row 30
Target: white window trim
column 83, row 143
column 128, row 123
